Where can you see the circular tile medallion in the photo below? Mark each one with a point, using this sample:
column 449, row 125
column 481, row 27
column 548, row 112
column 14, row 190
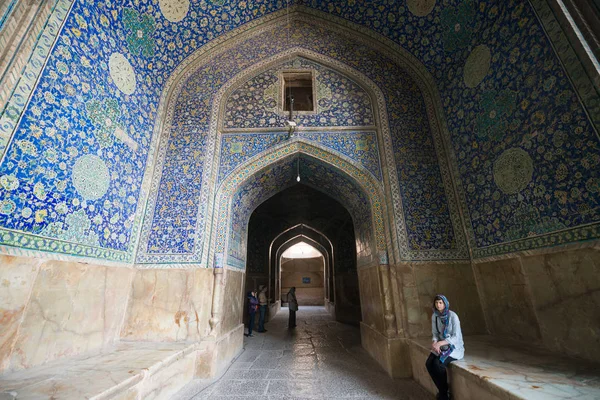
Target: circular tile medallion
column 174, row 10
column 420, row 8
column 513, row 170
column 90, row 177
column 477, row 65
column 122, row 73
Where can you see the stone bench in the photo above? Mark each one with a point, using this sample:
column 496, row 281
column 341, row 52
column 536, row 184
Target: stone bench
column 133, row 370
column 496, row 369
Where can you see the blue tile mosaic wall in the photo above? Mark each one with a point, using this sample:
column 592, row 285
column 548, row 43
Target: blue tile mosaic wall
column 359, row 146
column 345, row 190
column 339, row 102
column 73, row 169
column 237, row 148
column 250, row 195
column 282, row 175
column 524, row 144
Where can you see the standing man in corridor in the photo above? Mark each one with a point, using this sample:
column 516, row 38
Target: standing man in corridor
column 262, row 301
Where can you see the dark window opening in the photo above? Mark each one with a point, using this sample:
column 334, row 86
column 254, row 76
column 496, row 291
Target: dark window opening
column 298, row 86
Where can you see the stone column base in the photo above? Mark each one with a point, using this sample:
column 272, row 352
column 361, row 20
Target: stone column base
column 274, row 308
column 330, row 307
column 217, row 353
column 391, row 353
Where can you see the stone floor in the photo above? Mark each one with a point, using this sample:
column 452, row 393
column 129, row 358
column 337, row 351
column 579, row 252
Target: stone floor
column 320, row 359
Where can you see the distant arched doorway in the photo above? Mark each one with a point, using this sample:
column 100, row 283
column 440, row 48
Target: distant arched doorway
column 302, row 266
column 290, row 237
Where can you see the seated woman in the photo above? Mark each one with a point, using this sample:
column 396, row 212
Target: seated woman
column 447, row 344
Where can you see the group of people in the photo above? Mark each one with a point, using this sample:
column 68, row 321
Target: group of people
column 258, row 303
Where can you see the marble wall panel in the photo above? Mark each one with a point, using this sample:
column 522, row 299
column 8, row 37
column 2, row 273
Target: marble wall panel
column 214, row 356
column 507, row 300
column 17, row 275
column 167, row 381
column 391, row 353
column 566, row 294
column 348, row 301
column 371, row 300
column 418, row 356
column 169, row 305
column 73, row 308
column 233, row 301
column 228, row 347
column 409, row 303
column 457, row 283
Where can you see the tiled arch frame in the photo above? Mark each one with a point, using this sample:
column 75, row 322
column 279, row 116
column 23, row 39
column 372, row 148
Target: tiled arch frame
column 221, row 221
column 397, row 245
column 389, row 246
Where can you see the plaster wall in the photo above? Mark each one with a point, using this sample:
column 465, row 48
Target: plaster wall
column 169, row 305
column 292, row 272
column 552, row 298
column 55, row 309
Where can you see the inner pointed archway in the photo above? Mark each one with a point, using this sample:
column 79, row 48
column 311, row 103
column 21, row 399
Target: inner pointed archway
column 304, row 214
column 302, row 266
column 295, row 235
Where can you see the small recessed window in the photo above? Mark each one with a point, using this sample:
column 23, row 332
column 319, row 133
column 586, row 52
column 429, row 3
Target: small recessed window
column 298, row 87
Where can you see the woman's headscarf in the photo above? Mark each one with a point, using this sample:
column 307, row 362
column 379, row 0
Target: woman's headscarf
column 444, row 316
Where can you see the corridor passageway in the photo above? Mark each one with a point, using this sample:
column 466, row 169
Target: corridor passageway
column 320, row 359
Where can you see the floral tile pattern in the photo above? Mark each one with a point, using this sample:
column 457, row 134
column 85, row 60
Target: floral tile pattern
column 360, row 146
column 258, row 103
column 420, row 181
column 523, row 143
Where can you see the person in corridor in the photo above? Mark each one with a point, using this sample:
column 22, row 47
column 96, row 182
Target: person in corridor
column 293, row 307
column 447, row 344
column 262, row 301
column 252, row 308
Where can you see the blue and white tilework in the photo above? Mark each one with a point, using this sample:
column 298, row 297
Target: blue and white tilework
column 525, row 150
column 360, row 146
column 258, row 102
column 96, row 97
column 408, row 122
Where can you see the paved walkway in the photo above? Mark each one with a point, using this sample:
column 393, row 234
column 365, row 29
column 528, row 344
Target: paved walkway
column 320, row 359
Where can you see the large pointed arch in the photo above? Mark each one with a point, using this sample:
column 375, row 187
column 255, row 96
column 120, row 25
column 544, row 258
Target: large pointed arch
column 398, row 246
